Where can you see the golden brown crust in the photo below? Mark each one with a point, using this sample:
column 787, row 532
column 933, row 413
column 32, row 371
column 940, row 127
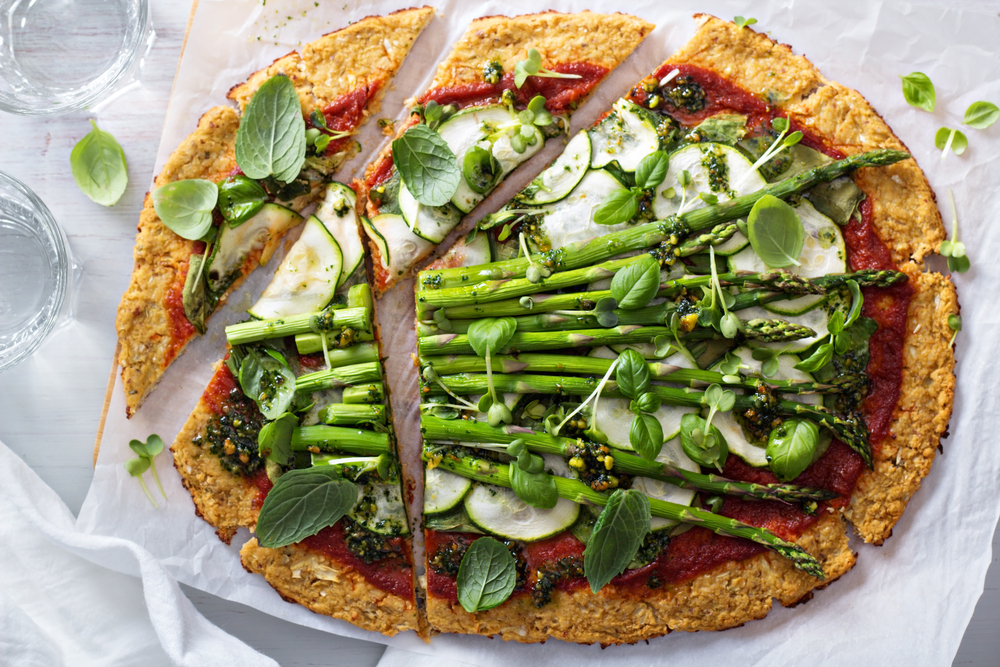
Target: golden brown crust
column 144, row 325
column 598, row 39
column 364, row 54
column 726, row 597
column 224, row 500
column 329, row 588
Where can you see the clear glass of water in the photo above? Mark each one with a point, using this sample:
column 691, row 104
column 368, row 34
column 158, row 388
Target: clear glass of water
column 58, row 56
column 34, row 271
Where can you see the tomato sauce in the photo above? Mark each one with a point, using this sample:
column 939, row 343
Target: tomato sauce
column 392, row 575
column 345, row 114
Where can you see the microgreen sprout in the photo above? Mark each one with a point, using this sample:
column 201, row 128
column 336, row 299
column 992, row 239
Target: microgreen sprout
column 535, row 272
column 595, row 396
column 946, row 138
column 780, row 144
column 954, row 249
column 533, row 67
column 730, row 368
column 146, row 452
column 360, row 464
column 487, row 337
column 743, row 22
column 431, row 375
column 728, row 323
column 955, row 324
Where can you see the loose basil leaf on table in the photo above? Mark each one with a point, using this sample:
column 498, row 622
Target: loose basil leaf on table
column 486, row 576
column 776, row 232
column 791, row 447
column 274, row 442
column 427, row 166
column 491, row 333
column 271, row 139
column 646, row 436
column 981, row 115
column 185, row 207
column 302, row 503
column 616, row 537
column 635, row 285
column 632, row 374
column 537, row 489
column 99, row 168
column 240, row 198
column 918, row 91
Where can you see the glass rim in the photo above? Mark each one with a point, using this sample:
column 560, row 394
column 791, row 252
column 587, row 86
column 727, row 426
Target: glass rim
column 137, row 34
column 61, row 278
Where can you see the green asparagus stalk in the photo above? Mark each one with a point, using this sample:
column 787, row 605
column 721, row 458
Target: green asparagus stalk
column 436, row 429
column 328, row 320
column 362, row 394
column 487, row 472
column 341, row 414
column 341, row 356
column 339, row 439
column 339, row 377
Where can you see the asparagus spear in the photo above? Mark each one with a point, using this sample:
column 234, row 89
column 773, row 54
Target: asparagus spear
column 670, row 232
column 338, row 356
column 496, row 473
column 341, row 414
column 364, row 393
column 330, row 320
column 339, row 377
column 339, row 438
column 462, row 430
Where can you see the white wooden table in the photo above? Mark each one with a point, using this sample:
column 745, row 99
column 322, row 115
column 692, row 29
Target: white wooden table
column 50, row 404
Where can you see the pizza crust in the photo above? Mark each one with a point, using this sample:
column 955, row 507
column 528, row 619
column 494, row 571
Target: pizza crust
column 326, row 587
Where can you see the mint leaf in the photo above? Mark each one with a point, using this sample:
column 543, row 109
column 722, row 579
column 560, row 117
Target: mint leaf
column 271, row 139
column 486, row 576
column 302, row 503
column 427, row 166
column 617, row 536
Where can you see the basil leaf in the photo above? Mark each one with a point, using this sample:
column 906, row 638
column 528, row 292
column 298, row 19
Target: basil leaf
column 274, row 442
column 651, row 170
column 618, row 207
column 492, row 333
column 271, row 139
column 486, row 576
column 791, row 447
column 537, row 489
column 480, row 169
column 427, row 166
column 776, row 232
column 648, row 402
column 194, row 298
column 712, row 449
column 817, row 360
column 918, row 91
column 302, row 503
column 617, row 536
column 240, row 198
column 632, row 374
column 98, row 165
column 959, row 142
column 185, row 207
column 267, row 382
column 646, row 436
column 635, row 285
column 857, row 302
column 981, row 115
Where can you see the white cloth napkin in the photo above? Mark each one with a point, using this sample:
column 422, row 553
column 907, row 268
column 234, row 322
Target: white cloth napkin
column 61, row 605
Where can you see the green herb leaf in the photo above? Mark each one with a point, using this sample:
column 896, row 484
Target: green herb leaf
column 525, row 68
column 646, row 436
column 918, row 91
column 955, row 324
column 492, row 333
column 635, row 285
column 185, row 207
column 981, row 115
column 137, row 466
column 651, row 170
column 776, row 232
column 98, row 165
column 946, row 138
column 486, row 576
column 267, row 382
column 618, row 533
column 271, row 139
column 706, row 449
column 480, row 169
column 791, row 447
column 857, row 303
column 194, row 297
column 240, row 198
column 535, row 488
column 959, row 264
column 742, row 22
column 618, row 207
column 302, row 503
column 274, row 442
column 817, row 360
column 648, row 402
column 632, row 374
column 427, row 166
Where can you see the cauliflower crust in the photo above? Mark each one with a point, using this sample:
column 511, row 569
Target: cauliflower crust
column 329, row 588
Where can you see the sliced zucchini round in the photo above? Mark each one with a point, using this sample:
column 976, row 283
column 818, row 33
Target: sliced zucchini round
column 796, row 306
column 499, row 511
column 626, row 135
column 380, row 509
column 696, row 160
column 432, row 223
column 732, row 246
column 443, row 490
column 672, row 454
column 262, row 231
column 615, row 419
column 307, row 278
column 400, row 248
column 559, row 179
column 572, row 218
column 822, row 253
column 337, row 211
column 786, row 370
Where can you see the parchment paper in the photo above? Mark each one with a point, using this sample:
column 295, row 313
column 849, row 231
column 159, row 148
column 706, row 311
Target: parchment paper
column 905, row 603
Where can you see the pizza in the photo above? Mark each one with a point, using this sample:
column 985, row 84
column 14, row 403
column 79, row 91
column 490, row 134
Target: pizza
column 476, row 104
column 154, row 323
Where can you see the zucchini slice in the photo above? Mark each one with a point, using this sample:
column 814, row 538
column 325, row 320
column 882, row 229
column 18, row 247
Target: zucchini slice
column 572, row 218
column 626, row 135
column 559, row 179
column 673, row 454
column 443, row 490
column 615, row 419
column 235, row 244
column 730, row 166
column 380, row 509
column 399, row 246
column 307, row 278
column 499, row 511
column 796, row 306
column 337, row 211
column 432, row 223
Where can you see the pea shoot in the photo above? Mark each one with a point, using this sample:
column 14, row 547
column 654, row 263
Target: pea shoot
column 955, row 324
column 780, row 125
column 954, row 249
column 743, row 22
column 533, row 67
column 146, row 452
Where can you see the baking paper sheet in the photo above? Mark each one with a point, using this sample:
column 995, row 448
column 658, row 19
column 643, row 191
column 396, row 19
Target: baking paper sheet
column 907, row 602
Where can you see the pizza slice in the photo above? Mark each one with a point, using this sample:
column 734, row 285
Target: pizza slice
column 165, row 304
column 507, row 86
column 682, row 359
column 293, row 438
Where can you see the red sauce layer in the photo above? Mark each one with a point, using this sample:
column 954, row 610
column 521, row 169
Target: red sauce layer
column 561, row 95
column 392, row 575
column 181, row 330
column 264, row 485
column 219, row 388
column 345, row 114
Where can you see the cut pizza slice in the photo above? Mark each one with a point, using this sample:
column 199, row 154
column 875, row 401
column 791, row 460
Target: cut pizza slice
column 293, row 438
column 241, row 220
column 508, row 85
column 686, row 355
